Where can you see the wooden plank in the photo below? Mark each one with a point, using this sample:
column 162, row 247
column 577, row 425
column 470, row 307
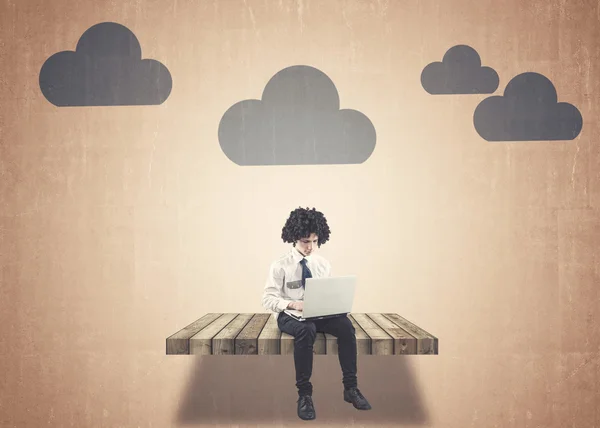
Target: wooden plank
column 426, row 343
column 331, row 344
column 404, row 343
column 201, row 342
column 363, row 341
column 269, row 338
column 381, row 342
column 319, row 347
column 179, row 343
column 246, row 343
column 224, row 342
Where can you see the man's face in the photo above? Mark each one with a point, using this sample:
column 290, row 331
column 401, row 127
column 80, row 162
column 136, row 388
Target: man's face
column 307, row 245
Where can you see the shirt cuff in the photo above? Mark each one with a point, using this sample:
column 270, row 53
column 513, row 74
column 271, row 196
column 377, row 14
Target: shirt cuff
column 282, row 305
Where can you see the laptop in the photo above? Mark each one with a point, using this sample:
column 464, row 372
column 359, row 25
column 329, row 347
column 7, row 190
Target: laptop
column 326, row 298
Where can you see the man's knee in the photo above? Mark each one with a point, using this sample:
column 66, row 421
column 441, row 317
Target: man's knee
column 307, row 332
column 347, row 328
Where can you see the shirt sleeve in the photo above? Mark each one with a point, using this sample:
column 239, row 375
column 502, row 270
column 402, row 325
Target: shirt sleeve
column 328, row 270
column 272, row 298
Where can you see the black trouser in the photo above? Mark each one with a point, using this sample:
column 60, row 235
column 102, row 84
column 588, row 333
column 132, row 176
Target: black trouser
column 305, row 333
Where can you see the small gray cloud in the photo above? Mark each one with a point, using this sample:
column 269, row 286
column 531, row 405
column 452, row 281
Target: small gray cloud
column 106, row 69
column 529, row 110
column 298, row 121
column 460, row 72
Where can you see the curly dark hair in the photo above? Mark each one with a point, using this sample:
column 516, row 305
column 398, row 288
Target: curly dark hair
column 304, row 221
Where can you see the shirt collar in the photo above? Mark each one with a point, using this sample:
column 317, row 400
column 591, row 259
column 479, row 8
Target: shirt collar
column 297, row 256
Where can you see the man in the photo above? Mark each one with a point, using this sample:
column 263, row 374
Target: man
column 306, row 230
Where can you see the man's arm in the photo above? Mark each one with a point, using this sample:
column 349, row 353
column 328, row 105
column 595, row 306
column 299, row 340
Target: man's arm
column 272, row 298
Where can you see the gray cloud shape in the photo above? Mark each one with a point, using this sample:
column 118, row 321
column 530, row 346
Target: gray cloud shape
column 528, row 111
column 106, row 69
column 459, row 72
column 298, row 121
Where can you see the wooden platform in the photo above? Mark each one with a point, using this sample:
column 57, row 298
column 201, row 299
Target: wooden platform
column 258, row 334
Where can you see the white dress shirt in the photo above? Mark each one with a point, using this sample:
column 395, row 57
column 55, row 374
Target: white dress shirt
column 284, row 283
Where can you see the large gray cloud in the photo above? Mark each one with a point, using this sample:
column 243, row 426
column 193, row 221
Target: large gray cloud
column 460, row 72
column 528, row 111
column 297, row 122
column 106, row 69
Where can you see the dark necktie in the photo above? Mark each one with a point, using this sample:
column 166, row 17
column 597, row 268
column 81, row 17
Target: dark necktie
column 306, row 273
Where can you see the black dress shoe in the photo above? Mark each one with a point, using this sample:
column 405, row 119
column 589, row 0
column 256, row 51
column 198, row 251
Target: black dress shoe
column 306, row 408
column 354, row 396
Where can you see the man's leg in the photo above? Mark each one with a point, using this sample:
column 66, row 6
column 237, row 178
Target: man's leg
column 342, row 328
column 304, row 333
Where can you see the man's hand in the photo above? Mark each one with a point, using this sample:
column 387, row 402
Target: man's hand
column 296, row 305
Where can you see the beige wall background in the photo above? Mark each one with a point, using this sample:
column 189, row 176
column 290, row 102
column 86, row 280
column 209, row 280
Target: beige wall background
column 121, row 225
